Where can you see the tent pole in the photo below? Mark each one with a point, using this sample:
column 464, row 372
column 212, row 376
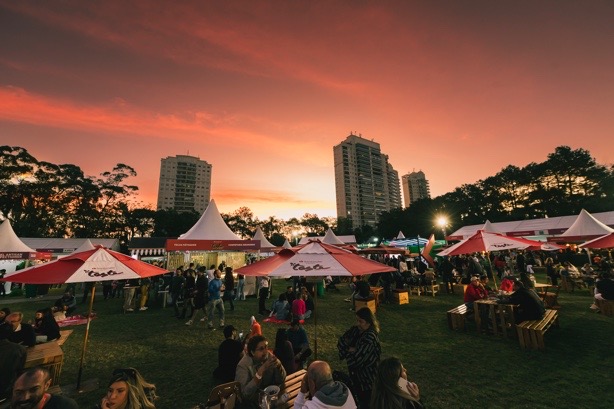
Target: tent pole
column 315, row 322
column 87, row 331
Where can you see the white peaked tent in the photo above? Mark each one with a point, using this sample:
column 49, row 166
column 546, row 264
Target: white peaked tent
column 264, row 243
column 400, row 235
column 585, row 226
column 87, row 245
column 9, row 242
column 287, row 244
column 210, row 226
column 331, row 238
column 489, row 228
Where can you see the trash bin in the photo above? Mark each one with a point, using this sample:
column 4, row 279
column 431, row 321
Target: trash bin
column 320, row 288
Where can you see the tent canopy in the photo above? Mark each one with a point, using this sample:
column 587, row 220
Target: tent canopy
column 210, row 226
column 9, row 242
column 264, row 243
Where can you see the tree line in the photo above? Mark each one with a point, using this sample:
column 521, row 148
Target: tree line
column 43, row 199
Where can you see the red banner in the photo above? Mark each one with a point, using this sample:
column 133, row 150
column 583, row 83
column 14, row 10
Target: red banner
column 212, row 245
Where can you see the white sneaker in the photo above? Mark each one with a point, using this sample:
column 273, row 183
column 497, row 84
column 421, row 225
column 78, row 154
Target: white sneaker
column 143, row 308
column 129, row 309
column 202, row 320
column 189, row 322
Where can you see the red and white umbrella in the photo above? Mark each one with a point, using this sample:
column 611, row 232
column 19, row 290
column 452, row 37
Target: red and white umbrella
column 603, row 242
column 315, row 259
column 97, row 264
column 484, row 241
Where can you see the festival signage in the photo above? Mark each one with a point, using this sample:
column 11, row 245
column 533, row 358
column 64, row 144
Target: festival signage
column 212, row 245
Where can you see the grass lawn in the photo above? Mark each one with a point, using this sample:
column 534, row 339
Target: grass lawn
column 452, row 369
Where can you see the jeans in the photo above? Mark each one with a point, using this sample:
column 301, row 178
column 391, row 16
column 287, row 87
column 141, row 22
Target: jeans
column 239, row 293
column 129, row 297
column 219, row 305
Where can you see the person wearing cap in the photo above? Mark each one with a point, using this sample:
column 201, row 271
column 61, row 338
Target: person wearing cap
column 475, row 291
column 230, row 352
column 258, row 369
column 529, row 305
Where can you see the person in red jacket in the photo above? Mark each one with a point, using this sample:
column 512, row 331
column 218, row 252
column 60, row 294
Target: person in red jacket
column 475, row 291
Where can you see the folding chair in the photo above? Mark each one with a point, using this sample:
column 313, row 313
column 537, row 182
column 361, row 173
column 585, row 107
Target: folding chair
column 224, row 396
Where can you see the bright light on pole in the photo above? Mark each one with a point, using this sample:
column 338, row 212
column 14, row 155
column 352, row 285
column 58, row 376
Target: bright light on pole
column 442, row 222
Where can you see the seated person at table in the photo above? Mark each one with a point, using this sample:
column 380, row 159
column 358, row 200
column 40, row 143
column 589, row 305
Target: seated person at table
column 4, row 312
column 474, row 291
column 319, row 390
column 530, row 306
column 12, row 361
column 228, row 356
column 23, row 333
column 604, row 289
column 588, row 274
column 45, row 326
column 30, row 391
column 507, row 284
column 484, row 281
column 362, row 291
column 280, row 308
column 127, row 389
column 300, row 343
column 67, row 303
column 569, row 270
column 258, row 369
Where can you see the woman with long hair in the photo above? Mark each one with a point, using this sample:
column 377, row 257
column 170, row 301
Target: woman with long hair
column 129, row 390
column 392, row 389
column 45, row 326
column 284, row 352
column 361, row 349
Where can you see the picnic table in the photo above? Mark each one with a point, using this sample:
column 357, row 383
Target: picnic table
column 505, row 313
column 49, row 355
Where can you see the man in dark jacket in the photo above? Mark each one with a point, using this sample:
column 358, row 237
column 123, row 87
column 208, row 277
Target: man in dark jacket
column 230, row 352
column 12, row 360
column 530, row 306
column 31, row 391
column 23, row 333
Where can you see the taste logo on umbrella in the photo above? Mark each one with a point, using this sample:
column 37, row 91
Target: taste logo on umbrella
column 300, row 267
column 103, row 274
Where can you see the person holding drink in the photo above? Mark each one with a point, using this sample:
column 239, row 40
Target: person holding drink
column 258, row 369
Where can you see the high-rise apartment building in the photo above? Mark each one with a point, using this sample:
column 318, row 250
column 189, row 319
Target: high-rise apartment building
column 365, row 182
column 415, row 187
column 185, row 184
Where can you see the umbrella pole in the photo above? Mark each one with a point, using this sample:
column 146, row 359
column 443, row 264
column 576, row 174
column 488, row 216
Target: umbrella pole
column 315, row 323
column 87, row 331
column 492, row 270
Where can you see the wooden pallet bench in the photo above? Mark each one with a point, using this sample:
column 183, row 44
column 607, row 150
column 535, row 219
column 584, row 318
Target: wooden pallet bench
column 456, row 317
column 291, row 386
column 64, row 336
column 531, row 333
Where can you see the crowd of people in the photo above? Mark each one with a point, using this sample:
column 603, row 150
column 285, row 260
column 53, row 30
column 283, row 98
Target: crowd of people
column 370, row 380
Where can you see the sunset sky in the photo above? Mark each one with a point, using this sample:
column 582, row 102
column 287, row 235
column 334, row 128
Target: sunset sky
column 263, row 90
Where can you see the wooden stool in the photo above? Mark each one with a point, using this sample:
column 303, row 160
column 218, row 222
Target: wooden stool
column 401, row 296
column 432, row 288
column 369, row 303
column 459, row 288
